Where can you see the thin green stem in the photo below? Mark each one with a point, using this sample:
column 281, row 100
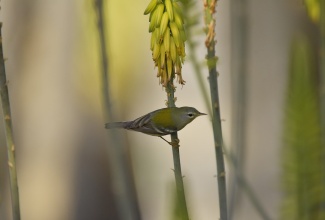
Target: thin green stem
column 123, row 182
column 170, row 90
column 210, row 8
column 9, row 135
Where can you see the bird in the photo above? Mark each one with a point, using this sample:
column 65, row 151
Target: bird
column 160, row 122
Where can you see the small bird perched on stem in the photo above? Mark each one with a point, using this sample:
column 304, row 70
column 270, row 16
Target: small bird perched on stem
column 160, row 122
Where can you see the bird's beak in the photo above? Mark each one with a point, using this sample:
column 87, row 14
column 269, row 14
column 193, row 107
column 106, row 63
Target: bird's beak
column 202, row 113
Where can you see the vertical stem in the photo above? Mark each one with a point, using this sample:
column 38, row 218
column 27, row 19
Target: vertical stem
column 210, row 7
column 123, row 182
column 9, row 136
column 218, row 141
column 170, row 90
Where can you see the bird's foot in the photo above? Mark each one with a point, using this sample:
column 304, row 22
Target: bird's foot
column 175, row 143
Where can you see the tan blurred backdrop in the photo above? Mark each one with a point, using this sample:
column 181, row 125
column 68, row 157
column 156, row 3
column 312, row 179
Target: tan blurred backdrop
column 53, row 72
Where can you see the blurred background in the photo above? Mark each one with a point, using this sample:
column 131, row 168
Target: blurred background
column 53, row 69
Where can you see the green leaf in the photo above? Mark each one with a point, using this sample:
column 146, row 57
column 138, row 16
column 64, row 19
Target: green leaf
column 301, row 155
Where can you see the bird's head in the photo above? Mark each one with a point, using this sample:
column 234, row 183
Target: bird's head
column 186, row 115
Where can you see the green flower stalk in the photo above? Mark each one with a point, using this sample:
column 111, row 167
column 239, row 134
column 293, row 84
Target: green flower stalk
column 210, row 9
column 302, row 149
column 168, row 53
column 5, row 102
column 167, row 39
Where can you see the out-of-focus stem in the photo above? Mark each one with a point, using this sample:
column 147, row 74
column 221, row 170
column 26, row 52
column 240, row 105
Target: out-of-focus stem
column 210, row 7
column 9, row 135
column 123, row 182
column 242, row 182
column 239, row 100
column 322, row 87
column 322, row 63
column 170, row 90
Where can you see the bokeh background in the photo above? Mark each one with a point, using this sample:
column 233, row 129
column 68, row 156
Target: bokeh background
column 53, row 69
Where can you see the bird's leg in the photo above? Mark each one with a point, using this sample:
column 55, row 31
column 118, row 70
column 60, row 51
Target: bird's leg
column 165, row 140
column 173, row 144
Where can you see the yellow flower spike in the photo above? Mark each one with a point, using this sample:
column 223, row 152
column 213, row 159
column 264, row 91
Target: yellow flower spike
column 177, row 9
column 175, row 32
column 180, row 79
column 183, row 35
column 167, row 39
column 156, row 33
column 151, row 6
column 173, row 53
column 160, row 12
column 167, row 55
column 183, row 53
column 162, row 77
column 150, row 16
column 181, row 50
column 182, row 59
column 151, row 26
column 169, row 68
column 153, row 41
column 169, row 8
column 178, row 66
column 163, row 24
column 160, row 72
column 153, row 21
column 158, row 64
column 156, row 51
column 178, row 21
column 165, row 80
column 161, row 82
column 162, row 55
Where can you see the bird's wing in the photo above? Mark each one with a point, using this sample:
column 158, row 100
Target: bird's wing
column 139, row 122
column 143, row 124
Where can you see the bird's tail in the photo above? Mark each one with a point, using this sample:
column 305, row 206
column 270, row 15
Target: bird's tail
column 116, row 125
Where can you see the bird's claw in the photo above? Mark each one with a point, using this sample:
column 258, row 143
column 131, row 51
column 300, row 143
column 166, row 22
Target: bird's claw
column 174, row 143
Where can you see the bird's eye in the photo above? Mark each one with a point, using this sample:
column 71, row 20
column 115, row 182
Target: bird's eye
column 190, row 115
